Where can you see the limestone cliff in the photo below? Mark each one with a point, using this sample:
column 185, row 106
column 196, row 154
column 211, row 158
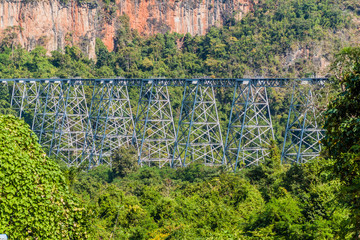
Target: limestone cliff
column 53, row 24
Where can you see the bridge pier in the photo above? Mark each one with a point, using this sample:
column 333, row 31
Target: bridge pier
column 303, row 135
column 110, row 123
column 24, row 97
column 69, row 133
column 199, row 136
column 250, row 129
column 154, row 133
column 45, row 117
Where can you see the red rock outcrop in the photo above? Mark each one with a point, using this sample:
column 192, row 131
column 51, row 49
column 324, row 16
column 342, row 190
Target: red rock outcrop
column 186, row 16
column 53, row 24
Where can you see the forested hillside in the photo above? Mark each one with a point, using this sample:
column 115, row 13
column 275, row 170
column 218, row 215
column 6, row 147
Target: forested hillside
column 279, row 38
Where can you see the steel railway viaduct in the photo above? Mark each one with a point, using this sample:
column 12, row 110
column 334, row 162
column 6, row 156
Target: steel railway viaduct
column 82, row 121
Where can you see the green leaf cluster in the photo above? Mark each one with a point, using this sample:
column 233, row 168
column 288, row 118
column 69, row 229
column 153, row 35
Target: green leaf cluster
column 35, row 201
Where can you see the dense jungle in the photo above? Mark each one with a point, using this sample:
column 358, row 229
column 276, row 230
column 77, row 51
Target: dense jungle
column 42, row 198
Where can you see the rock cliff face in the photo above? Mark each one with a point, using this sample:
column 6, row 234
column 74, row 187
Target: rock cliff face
column 53, row 24
column 182, row 16
column 49, row 23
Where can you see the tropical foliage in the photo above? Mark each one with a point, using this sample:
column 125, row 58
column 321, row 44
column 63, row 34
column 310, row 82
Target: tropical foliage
column 317, row 200
column 343, row 131
column 269, row 201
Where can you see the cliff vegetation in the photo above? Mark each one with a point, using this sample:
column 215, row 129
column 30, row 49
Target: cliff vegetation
column 279, row 39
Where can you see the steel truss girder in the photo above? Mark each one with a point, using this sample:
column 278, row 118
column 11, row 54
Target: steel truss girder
column 302, row 141
column 217, row 82
column 250, row 130
column 199, row 136
column 110, row 121
column 154, row 133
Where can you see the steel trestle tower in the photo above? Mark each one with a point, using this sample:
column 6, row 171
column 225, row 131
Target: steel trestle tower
column 154, row 133
column 72, row 118
column 46, row 114
column 250, row 130
column 199, row 136
column 110, row 121
column 24, row 97
column 303, row 134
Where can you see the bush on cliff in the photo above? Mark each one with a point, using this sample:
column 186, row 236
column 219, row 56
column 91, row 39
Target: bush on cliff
column 35, row 201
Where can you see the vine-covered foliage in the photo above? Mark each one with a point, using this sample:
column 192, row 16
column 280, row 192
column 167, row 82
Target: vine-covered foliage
column 35, row 201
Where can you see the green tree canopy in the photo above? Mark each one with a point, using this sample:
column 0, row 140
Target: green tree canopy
column 343, row 130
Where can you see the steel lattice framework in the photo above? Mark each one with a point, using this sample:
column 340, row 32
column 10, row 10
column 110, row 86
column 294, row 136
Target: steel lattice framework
column 24, row 97
column 46, row 119
column 154, row 133
column 72, row 118
column 250, row 128
column 303, row 134
column 199, row 135
column 82, row 121
column 110, row 122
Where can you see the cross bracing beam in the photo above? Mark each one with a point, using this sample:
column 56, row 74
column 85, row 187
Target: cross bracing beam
column 303, row 135
column 199, row 136
column 154, row 133
column 250, row 130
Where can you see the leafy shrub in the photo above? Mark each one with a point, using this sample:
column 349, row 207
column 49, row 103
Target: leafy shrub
column 124, row 162
column 35, row 201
